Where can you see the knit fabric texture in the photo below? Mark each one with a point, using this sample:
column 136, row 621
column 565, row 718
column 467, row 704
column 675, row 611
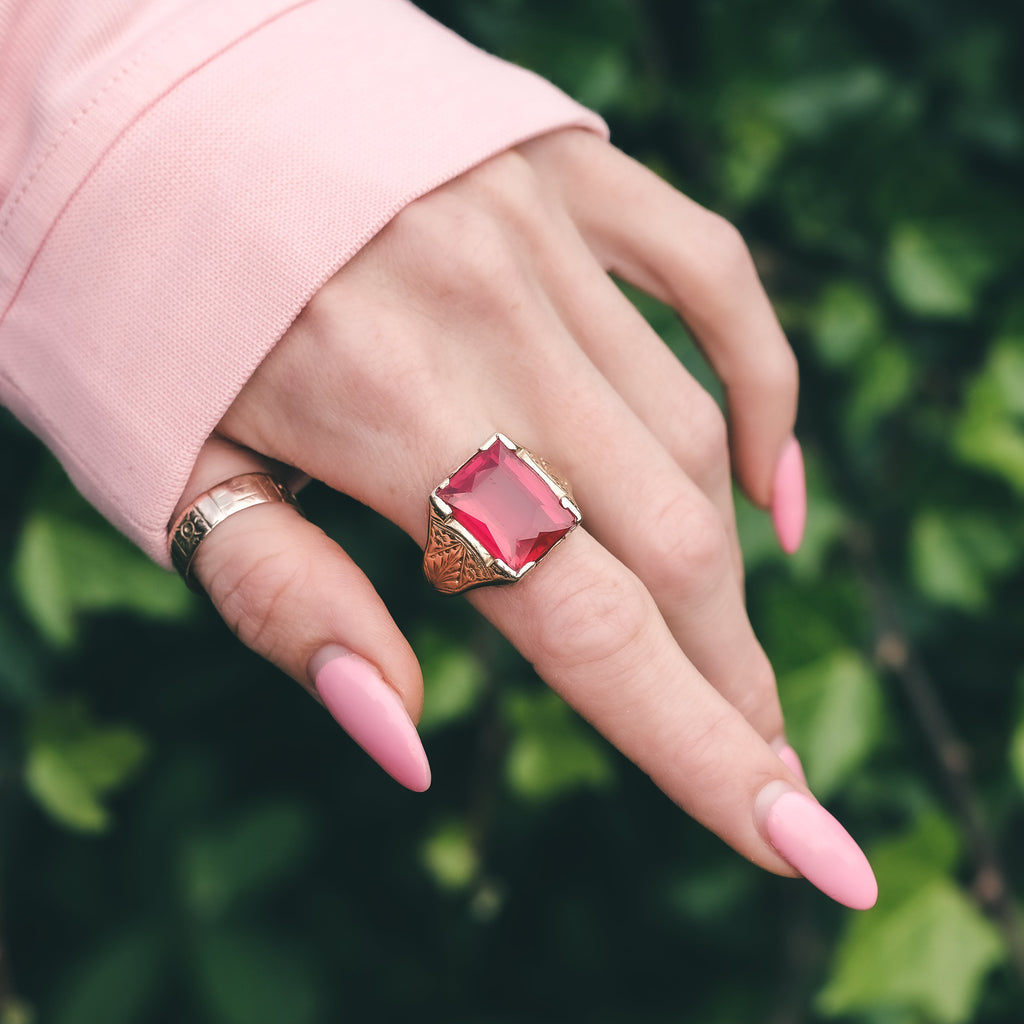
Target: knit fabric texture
column 179, row 177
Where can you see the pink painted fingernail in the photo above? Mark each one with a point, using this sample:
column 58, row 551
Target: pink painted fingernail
column 791, row 759
column 372, row 713
column 812, row 841
column 789, row 497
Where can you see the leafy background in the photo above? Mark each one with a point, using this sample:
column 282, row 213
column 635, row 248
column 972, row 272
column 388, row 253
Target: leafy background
column 182, row 837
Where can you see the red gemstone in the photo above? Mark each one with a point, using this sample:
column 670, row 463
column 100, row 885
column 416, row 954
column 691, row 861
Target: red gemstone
column 506, row 506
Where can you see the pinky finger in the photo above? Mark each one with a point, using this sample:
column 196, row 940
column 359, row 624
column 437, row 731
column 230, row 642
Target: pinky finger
column 293, row 596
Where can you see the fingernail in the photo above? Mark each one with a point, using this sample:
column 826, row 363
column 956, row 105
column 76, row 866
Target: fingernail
column 806, row 836
column 791, row 759
column 372, row 713
column 789, row 497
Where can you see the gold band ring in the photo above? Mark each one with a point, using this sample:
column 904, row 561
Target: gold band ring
column 212, row 507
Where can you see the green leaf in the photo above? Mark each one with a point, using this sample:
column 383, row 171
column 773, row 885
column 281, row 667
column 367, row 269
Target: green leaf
column 248, row 978
column 811, row 105
column 72, row 763
column 115, row 984
column 990, row 433
column 709, row 895
column 69, row 561
column 846, row 323
column 834, row 715
column 244, row 856
column 1017, row 754
column 450, row 856
column 552, row 752
column 754, row 147
column 955, row 557
column 883, row 382
column 826, row 521
column 453, row 680
column 925, row 948
column 930, row 850
column 1016, row 751
column 930, row 955
column 938, row 269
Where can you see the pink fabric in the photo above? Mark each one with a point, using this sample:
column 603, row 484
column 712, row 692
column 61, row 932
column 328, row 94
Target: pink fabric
column 178, row 177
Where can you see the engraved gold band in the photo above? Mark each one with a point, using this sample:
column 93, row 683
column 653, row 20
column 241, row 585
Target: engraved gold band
column 212, row 507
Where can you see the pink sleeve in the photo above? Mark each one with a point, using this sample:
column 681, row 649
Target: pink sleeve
column 179, row 177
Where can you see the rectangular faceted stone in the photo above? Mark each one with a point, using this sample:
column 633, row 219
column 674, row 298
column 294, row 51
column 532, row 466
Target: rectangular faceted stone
column 507, row 506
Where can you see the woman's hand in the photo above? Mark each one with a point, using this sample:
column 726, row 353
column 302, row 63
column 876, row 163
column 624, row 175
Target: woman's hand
column 485, row 306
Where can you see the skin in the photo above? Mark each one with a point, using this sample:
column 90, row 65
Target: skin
column 385, row 383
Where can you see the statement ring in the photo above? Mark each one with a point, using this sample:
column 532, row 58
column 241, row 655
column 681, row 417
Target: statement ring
column 212, row 507
column 495, row 518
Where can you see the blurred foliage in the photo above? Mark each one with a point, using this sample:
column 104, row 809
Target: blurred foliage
column 183, row 837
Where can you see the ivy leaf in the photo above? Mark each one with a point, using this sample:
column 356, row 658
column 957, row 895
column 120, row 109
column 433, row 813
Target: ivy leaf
column 927, row 852
column 834, row 715
column 450, row 856
column 955, row 557
column 812, row 105
column 453, row 680
column 930, row 955
column 552, row 752
column 73, row 762
column 925, row 949
column 1016, row 753
column 846, row 323
column 938, row 269
column 69, row 561
column 883, row 382
column 990, row 432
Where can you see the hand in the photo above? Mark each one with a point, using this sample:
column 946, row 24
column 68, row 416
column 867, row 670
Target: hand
column 487, row 305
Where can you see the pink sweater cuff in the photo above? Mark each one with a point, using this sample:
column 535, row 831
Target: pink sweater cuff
column 161, row 242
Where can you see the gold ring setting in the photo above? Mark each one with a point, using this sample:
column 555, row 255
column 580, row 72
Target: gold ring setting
column 495, row 518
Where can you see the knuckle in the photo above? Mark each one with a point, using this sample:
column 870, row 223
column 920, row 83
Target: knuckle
column 758, row 700
column 598, row 623
column 508, row 185
column 689, row 547
column 782, row 375
column 724, row 252
column 478, row 266
column 705, row 441
column 460, row 245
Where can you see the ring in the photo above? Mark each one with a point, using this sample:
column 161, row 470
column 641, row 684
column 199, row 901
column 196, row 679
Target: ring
column 212, row 507
column 495, row 518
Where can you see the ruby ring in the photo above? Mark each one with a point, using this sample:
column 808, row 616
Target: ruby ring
column 495, row 518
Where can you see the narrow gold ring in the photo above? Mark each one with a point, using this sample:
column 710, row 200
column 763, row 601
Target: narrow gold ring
column 212, row 507
column 495, row 518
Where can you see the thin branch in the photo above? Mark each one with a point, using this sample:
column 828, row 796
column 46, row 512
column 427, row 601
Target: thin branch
column 895, row 653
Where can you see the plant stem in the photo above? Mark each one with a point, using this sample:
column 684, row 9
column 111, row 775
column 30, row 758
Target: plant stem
column 895, row 653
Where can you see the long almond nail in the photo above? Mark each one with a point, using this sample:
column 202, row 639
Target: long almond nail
column 372, row 713
column 812, row 841
column 789, row 497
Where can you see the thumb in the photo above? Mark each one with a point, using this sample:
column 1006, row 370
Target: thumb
column 293, row 596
